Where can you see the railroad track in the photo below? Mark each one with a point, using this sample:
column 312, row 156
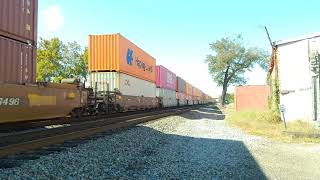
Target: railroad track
column 22, row 142
column 27, row 125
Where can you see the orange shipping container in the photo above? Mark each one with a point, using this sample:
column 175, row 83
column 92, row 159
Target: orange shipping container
column 115, row 53
column 189, row 89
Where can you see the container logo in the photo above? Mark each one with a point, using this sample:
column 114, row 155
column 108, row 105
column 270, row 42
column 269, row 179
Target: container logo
column 138, row 62
column 129, row 56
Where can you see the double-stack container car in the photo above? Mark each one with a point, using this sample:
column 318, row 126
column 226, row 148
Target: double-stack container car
column 166, row 86
column 181, row 92
column 189, row 93
column 116, row 64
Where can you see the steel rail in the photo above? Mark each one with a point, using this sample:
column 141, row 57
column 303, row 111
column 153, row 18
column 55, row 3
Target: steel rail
column 36, row 140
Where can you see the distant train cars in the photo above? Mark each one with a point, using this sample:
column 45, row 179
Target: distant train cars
column 117, row 64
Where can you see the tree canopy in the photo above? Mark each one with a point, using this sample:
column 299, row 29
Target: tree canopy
column 57, row 60
column 231, row 59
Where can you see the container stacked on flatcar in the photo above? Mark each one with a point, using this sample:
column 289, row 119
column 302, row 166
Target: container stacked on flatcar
column 166, row 86
column 18, row 35
column 189, row 93
column 21, row 98
column 116, row 64
column 181, row 92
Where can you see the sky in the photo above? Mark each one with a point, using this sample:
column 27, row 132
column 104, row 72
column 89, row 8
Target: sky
column 178, row 32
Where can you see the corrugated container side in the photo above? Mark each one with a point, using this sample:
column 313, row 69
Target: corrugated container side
column 103, row 52
column 168, row 97
column 182, row 98
column 181, row 85
column 126, row 84
column 101, row 80
column 165, row 78
column 189, row 88
column 17, row 62
column 109, row 53
column 18, row 20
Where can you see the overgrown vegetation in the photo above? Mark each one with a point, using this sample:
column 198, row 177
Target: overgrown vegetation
column 268, row 124
column 228, row 99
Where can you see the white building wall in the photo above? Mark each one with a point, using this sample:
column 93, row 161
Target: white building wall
column 295, row 77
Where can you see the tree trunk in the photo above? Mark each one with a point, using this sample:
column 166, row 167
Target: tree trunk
column 224, row 92
column 224, row 87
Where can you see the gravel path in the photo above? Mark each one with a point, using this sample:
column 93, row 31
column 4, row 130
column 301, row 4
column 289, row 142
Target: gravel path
column 195, row 145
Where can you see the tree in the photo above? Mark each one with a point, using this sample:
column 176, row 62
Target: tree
column 49, row 55
column 56, row 60
column 229, row 98
column 231, row 60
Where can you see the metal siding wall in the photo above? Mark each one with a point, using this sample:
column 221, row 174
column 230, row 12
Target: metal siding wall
column 295, row 75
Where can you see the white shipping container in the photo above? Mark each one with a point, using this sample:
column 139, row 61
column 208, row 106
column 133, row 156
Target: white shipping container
column 126, row 84
column 168, row 97
column 183, row 102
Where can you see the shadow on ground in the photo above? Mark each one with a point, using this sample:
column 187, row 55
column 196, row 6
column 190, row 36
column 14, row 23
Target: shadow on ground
column 146, row 153
column 209, row 112
column 169, row 156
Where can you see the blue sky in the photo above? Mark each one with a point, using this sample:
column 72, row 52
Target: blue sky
column 178, row 32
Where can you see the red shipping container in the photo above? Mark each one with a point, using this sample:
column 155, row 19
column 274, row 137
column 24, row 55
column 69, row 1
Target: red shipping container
column 18, row 20
column 165, row 78
column 17, row 62
column 252, row 97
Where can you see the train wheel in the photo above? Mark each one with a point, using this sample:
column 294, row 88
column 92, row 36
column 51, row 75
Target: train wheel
column 76, row 112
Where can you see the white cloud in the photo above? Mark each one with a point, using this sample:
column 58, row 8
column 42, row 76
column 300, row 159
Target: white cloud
column 53, row 18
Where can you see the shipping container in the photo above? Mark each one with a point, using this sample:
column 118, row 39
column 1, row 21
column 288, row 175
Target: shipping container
column 181, row 85
column 18, row 20
column 182, row 98
column 126, row 84
column 165, row 78
column 188, row 89
column 114, row 53
column 168, row 97
column 17, row 62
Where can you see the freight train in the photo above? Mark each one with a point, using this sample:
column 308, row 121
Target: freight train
column 122, row 77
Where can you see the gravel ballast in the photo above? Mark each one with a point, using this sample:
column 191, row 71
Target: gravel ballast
column 194, row 145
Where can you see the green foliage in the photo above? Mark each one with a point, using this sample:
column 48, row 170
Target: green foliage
column 56, row 60
column 231, row 59
column 268, row 124
column 229, row 98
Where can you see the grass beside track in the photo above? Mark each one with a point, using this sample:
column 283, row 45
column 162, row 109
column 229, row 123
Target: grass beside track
column 265, row 124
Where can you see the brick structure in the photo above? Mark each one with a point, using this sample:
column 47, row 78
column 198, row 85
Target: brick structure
column 252, row 97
